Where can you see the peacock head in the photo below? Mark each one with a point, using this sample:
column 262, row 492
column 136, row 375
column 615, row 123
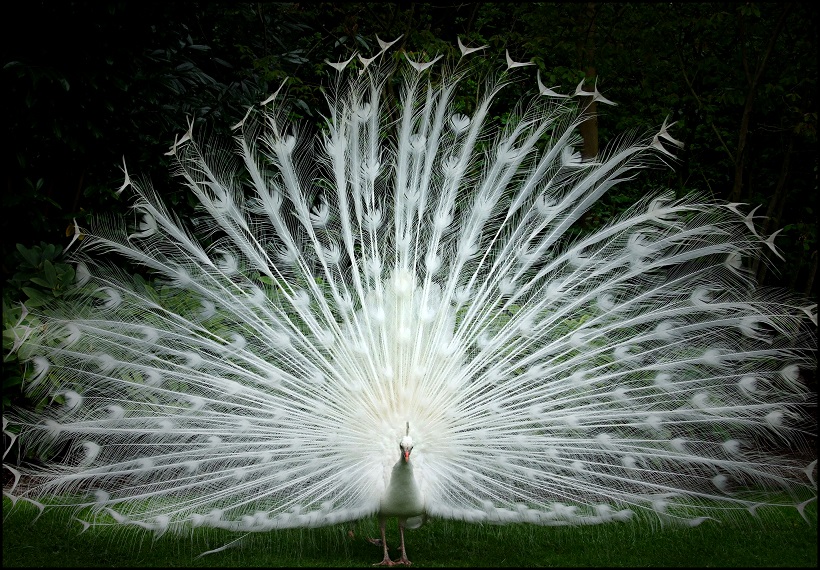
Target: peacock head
column 406, row 445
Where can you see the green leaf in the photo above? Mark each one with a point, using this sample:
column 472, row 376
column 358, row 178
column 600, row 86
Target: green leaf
column 51, row 273
column 35, row 297
column 29, row 255
column 11, row 381
column 65, row 273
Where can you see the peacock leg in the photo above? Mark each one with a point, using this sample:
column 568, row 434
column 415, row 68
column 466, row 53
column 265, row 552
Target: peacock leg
column 403, row 559
column 386, row 560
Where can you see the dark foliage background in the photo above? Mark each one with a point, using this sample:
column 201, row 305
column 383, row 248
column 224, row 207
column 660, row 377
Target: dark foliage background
column 88, row 83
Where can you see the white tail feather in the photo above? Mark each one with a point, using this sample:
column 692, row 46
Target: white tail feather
column 431, row 279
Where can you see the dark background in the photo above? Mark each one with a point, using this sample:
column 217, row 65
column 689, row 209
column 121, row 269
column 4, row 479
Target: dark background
column 86, row 83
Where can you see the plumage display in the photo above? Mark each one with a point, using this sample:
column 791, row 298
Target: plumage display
column 413, row 278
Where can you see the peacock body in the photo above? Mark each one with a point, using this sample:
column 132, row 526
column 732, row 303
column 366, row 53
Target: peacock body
column 413, row 271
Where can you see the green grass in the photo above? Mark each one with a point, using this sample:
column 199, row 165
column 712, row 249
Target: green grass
column 779, row 538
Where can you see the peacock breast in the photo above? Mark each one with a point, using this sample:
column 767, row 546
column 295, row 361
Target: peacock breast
column 402, row 498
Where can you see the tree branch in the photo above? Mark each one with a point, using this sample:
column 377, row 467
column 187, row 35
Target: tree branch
column 749, row 105
column 701, row 106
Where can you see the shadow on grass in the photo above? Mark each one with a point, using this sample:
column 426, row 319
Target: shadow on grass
column 779, row 537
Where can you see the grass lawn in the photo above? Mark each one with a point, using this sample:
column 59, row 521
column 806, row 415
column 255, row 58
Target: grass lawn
column 778, row 538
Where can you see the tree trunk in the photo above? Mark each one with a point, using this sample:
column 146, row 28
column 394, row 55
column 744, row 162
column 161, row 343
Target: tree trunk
column 740, row 154
column 589, row 128
column 812, row 273
column 586, row 49
column 775, row 209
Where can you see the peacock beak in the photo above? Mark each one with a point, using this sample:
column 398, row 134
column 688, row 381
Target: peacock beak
column 407, row 456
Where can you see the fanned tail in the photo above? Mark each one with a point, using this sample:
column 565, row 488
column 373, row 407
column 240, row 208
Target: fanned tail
column 415, row 264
